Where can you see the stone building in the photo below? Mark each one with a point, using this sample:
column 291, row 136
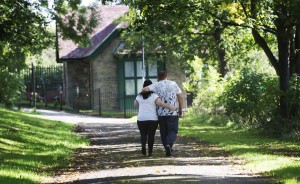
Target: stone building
column 99, row 75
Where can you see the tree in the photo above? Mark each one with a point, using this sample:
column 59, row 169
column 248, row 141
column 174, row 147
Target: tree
column 195, row 21
column 274, row 20
column 24, row 31
column 186, row 29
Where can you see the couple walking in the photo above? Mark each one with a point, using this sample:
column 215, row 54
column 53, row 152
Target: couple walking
column 157, row 105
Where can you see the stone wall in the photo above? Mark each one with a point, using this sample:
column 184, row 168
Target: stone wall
column 177, row 75
column 105, row 78
column 77, row 75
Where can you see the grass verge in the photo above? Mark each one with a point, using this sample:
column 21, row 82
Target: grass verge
column 278, row 158
column 30, row 147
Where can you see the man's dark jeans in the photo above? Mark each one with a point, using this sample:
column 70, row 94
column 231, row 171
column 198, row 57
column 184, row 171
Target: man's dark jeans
column 147, row 130
column 168, row 129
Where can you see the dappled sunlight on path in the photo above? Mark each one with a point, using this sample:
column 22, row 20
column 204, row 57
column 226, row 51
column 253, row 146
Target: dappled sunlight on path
column 114, row 156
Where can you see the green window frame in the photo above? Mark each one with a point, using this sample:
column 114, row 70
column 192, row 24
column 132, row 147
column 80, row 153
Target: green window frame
column 133, row 75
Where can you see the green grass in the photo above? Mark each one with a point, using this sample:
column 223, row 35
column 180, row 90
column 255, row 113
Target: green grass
column 274, row 157
column 30, row 148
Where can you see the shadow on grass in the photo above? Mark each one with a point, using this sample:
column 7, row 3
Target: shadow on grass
column 13, row 180
column 30, row 147
column 289, row 173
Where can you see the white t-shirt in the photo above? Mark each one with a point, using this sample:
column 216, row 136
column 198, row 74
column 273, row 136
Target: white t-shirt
column 167, row 91
column 147, row 108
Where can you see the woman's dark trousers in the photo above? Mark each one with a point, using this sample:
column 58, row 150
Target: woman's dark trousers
column 147, row 132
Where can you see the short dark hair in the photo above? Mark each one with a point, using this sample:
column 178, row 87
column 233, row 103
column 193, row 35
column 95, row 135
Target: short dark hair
column 162, row 75
column 147, row 82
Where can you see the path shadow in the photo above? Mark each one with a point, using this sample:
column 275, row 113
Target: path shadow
column 114, row 156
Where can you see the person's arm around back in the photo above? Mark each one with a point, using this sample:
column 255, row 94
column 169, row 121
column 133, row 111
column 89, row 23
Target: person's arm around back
column 136, row 103
column 180, row 103
column 146, row 89
column 162, row 104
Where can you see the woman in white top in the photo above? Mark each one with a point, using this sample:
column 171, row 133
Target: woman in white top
column 147, row 119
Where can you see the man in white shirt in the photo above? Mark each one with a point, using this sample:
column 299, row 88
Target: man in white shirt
column 169, row 92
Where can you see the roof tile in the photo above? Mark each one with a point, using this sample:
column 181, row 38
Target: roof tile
column 70, row 50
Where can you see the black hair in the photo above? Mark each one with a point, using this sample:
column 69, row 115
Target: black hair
column 145, row 95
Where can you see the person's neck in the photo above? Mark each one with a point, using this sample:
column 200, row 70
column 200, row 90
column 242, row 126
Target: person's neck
column 163, row 79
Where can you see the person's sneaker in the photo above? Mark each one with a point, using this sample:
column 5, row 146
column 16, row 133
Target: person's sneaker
column 168, row 151
column 144, row 150
column 150, row 153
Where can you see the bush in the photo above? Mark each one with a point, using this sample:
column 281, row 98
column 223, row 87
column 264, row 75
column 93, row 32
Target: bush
column 294, row 96
column 251, row 99
column 11, row 88
column 211, row 86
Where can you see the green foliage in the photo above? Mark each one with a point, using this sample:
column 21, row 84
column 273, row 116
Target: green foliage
column 294, row 96
column 23, row 26
column 251, row 98
column 292, row 124
column 180, row 30
column 11, row 88
column 208, row 85
column 25, row 32
column 222, row 33
column 210, row 90
column 75, row 22
column 195, row 75
column 31, row 148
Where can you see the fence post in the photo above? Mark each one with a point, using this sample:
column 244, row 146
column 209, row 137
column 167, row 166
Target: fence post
column 100, row 102
column 34, row 86
column 77, row 92
column 46, row 95
column 124, row 104
column 60, row 97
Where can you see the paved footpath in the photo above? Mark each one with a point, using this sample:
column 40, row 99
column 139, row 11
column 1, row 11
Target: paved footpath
column 114, row 156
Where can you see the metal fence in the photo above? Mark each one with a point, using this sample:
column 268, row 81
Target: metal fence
column 43, row 85
column 116, row 104
column 44, row 88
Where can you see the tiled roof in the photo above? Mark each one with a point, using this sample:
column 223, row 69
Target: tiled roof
column 70, row 50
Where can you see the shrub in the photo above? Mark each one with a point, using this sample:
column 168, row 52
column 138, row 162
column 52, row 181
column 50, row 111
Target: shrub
column 11, row 88
column 211, row 86
column 251, row 99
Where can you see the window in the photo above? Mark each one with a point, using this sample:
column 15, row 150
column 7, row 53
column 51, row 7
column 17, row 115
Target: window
column 129, row 69
column 130, row 87
column 134, row 75
column 152, row 69
column 139, row 68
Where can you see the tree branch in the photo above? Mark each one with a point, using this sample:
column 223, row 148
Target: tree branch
column 263, row 44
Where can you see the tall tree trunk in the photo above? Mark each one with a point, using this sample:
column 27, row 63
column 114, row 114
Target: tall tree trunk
column 292, row 57
column 221, row 52
column 297, row 49
column 263, row 44
column 281, row 65
column 283, row 58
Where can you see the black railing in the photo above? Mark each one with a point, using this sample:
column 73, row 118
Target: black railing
column 44, row 89
column 115, row 104
column 43, row 84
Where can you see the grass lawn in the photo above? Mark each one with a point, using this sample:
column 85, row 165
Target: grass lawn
column 31, row 147
column 278, row 158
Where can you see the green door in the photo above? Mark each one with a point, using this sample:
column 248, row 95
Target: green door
column 131, row 78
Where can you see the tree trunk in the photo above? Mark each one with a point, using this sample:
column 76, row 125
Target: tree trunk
column 221, row 52
column 283, row 58
column 263, row 44
column 297, row 48
column 281, row 65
